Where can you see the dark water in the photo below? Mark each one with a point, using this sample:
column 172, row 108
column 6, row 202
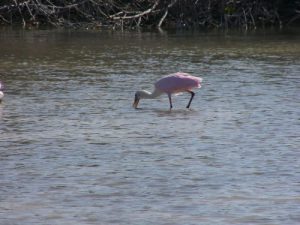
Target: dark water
column 74, row 151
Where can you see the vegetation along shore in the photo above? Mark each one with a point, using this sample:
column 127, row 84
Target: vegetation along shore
column 125, row 14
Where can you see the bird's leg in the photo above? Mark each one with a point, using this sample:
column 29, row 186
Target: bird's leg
column 192, row 96
column 170, row 100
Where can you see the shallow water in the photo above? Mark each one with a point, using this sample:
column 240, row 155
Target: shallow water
column 74, row 151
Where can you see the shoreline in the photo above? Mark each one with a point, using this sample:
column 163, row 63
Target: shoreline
column 151, row 14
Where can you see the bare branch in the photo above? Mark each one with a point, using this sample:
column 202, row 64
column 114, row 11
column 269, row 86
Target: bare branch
column 138, row 15
column 162, row 18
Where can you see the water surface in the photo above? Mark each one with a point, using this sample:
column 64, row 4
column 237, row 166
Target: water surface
column 74, row 151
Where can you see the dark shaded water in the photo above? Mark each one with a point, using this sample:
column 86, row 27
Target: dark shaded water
column 74, row 151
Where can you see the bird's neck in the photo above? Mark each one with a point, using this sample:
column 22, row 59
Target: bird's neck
column 154, row 94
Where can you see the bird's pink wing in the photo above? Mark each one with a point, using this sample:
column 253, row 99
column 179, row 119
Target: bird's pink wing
column 178, row 82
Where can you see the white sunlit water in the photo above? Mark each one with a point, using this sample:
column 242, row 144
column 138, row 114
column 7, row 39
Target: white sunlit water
column 74, row 151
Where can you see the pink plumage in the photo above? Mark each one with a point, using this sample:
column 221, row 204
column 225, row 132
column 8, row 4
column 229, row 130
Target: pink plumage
column 178, row 82
column 173, row 83
column 1, row 92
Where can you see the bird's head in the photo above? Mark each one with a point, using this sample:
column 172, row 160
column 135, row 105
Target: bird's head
column 137, row 98
column 139, row 95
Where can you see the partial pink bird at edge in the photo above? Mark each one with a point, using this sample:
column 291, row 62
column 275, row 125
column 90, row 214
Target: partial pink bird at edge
column 173, row 83
column 1, row 91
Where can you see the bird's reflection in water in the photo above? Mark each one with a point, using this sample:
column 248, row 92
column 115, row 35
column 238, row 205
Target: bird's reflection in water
column 177, row 113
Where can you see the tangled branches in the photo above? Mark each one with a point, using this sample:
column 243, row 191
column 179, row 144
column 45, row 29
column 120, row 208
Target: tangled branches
column 56, row 13
column 247, row 14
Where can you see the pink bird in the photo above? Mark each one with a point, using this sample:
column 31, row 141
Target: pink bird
column 173, row 83
column 1, row 92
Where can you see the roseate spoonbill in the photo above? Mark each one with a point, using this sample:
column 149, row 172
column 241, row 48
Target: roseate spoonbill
column 1, row 91
column 173, row 83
